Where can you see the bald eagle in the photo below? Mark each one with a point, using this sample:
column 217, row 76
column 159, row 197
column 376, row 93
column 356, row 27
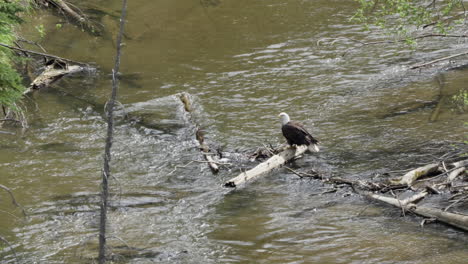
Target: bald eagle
column 296, row 134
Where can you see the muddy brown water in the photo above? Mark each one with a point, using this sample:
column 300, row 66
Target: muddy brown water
column 243, row 62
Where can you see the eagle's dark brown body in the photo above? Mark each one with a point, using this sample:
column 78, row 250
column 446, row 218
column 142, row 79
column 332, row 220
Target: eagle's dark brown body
column 296, row 134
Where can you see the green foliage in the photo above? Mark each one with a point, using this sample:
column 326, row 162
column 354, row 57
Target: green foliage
column 11, row 87
column 461, row 100
column 41, row 29
column 402, row 17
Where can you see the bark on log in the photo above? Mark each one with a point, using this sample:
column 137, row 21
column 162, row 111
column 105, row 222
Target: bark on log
column 266, row 166
column 410, row 177
column 457, row 220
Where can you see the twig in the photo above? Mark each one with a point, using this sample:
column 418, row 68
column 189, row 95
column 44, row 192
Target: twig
column 10, row 214
column 217, row 163
column 455, row 202
column 33, row 43
column 332, row 190
column 303, row 174
column 43, row 54
column 392, row 41
column 13, row 198
column 180, row 166
column 416, row 66
column 443, row 165
column 363, row 210
column 10, row 120
column 10, row 246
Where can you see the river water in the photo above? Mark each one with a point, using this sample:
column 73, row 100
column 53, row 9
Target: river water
column 242, row 62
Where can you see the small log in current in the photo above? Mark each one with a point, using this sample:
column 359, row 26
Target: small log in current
column 457, row 220
column 267, row 166
column 460, row 169
column 410, row 177
column 51, row 74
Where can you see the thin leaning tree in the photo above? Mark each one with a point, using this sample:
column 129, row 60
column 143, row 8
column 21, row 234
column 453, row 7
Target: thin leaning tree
column 109, row 139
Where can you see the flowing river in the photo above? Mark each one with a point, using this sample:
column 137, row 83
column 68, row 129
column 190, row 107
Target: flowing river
column 243, row 62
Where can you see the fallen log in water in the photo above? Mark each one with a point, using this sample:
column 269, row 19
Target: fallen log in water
column 267, row 166
column 74, row 13
column 204, row 148
column 457, row 220
column 460, row 169
column 410, row 177
column 53, row 72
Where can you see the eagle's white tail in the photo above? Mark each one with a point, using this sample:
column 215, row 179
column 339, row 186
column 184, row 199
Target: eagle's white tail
column 314, row 148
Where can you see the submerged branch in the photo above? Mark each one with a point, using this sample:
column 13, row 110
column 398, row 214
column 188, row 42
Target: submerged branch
column 13, row 200
column 204, row 148
column 457, row 220
column 421, row 65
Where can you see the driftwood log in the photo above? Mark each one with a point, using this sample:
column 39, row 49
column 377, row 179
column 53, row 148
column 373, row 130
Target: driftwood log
column 457, row 220
column 267, row 166
column 410, row 177
column 53, row 72
column 460, row 168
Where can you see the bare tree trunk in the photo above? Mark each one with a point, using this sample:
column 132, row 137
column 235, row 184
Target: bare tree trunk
column 110, row 131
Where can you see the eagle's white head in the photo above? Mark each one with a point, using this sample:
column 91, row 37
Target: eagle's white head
column 284, row 118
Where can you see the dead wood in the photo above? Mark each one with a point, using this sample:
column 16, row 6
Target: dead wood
column 106, row 171
column 460, row 169
column 74, row 13
column 421, row 65
column 13, row 200
column 410, row 177
column 204, row 148
column 266, row 166
column 4, row 240
column 52, row 73
column 44, row 55
column 457, row 220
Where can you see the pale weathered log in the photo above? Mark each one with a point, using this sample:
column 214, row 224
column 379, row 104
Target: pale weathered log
column 51, row 75
column 461, row 165
column 457, row 220
column 454, row 174
column 267, row 166
column 410, row 177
